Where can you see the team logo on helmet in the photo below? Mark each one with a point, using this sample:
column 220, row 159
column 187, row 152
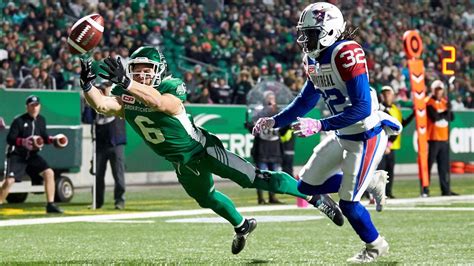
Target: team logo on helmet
column 319, row 15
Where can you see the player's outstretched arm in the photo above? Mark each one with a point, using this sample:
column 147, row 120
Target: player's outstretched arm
column 99, row 102
column 147, row 95
column 299, row 107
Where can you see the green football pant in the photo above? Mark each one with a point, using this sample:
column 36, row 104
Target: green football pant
column 196, row 179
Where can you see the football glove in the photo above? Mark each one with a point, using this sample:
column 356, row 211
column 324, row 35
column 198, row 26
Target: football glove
column 86, row 75
column 116, row 72
column 306, row 127
column 262, row 124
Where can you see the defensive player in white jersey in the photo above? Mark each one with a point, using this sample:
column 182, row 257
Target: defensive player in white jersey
column 336, row 70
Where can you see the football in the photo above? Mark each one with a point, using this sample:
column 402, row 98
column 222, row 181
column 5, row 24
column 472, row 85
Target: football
column 60, row 140
column 86, row 34
column 38, row 142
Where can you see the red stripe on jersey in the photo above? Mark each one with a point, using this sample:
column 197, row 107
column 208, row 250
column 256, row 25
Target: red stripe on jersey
column 350, row 61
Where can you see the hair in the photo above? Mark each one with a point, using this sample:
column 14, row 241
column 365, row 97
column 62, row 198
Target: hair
column 350, row 33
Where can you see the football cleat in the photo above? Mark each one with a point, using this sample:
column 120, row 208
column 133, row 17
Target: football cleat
column 240, row 239
column 371, row 252
column 377, row 188
column 326, row 205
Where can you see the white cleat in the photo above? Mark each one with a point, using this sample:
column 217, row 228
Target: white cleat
column 377, row 188
column 371, row 251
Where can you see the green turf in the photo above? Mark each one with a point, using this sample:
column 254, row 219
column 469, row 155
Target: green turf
column 431, row 237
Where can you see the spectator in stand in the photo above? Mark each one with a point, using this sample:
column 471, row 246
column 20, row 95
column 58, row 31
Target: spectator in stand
column 469, row 103
column 457, row 103
column 220, row 92
column 33, row 80
column 242, row 87
column 49, row 83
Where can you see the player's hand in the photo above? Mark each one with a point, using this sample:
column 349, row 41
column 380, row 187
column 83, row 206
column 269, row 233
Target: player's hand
column 60, row 141
column 262, row 124
column 115, row 72
column 306, row 127
column 27, row 143
column 86, row 74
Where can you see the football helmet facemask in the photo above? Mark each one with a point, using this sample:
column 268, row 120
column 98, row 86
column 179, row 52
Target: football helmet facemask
column 152, row 56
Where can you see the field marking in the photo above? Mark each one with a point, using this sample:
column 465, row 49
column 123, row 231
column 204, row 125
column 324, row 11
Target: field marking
column 158, row 214
column 260, row 219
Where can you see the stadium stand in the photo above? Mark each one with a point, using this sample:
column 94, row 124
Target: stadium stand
column 208, row 42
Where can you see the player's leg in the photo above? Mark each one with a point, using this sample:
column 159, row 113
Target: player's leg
column 37, row 166
column 360, row 161
column 321, row 175
column 275, row 167
column 198, row 183
column 229, row 165
column 260, row 197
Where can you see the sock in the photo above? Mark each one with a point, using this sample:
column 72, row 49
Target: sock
column 376, row 242
column 278, row 182
column 331, row 185
column 242, row 228
column 359, row 218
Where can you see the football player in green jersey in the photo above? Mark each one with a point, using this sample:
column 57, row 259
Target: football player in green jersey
column 152, row 104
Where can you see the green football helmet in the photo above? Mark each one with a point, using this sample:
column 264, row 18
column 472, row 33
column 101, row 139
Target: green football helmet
column 148, row 55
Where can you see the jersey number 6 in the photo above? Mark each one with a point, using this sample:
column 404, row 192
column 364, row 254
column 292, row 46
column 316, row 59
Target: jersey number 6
column 151, row 134
column 353, row 57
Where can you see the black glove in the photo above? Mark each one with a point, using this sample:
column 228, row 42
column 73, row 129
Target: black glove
column 116, row 72
column 86, row 75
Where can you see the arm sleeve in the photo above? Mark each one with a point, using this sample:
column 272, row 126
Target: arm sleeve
column 13, row 133
column 300, row 106
column 433, row 115
column 359, row 95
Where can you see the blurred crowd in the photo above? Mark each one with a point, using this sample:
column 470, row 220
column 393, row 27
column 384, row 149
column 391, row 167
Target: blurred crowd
column 221, row 50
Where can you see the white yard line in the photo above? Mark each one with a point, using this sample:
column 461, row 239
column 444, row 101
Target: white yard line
column 158, row 214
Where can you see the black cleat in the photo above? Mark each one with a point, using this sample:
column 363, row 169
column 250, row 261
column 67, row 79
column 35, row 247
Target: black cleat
column 240, row 239
column 52, row 208
column 326, row 205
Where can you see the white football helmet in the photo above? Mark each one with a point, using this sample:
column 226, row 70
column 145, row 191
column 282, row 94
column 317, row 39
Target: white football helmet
column 320, row 25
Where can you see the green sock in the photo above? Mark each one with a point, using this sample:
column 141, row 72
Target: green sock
column 224, row 207
column 278, row 182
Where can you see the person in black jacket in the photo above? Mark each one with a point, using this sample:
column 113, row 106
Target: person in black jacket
column 267, row 151
column 110, row 141
column 25, row 139
column 394, row 142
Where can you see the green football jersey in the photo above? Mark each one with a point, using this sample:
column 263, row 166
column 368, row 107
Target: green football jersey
column 174, row 137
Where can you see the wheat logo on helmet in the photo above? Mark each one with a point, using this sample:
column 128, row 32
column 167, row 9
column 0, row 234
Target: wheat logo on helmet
column 320, row 26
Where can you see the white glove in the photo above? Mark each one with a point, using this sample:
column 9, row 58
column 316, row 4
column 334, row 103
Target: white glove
column 306, row 127
column 263, row 124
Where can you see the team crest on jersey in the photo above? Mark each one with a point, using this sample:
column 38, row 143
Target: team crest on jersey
column 128, row 99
